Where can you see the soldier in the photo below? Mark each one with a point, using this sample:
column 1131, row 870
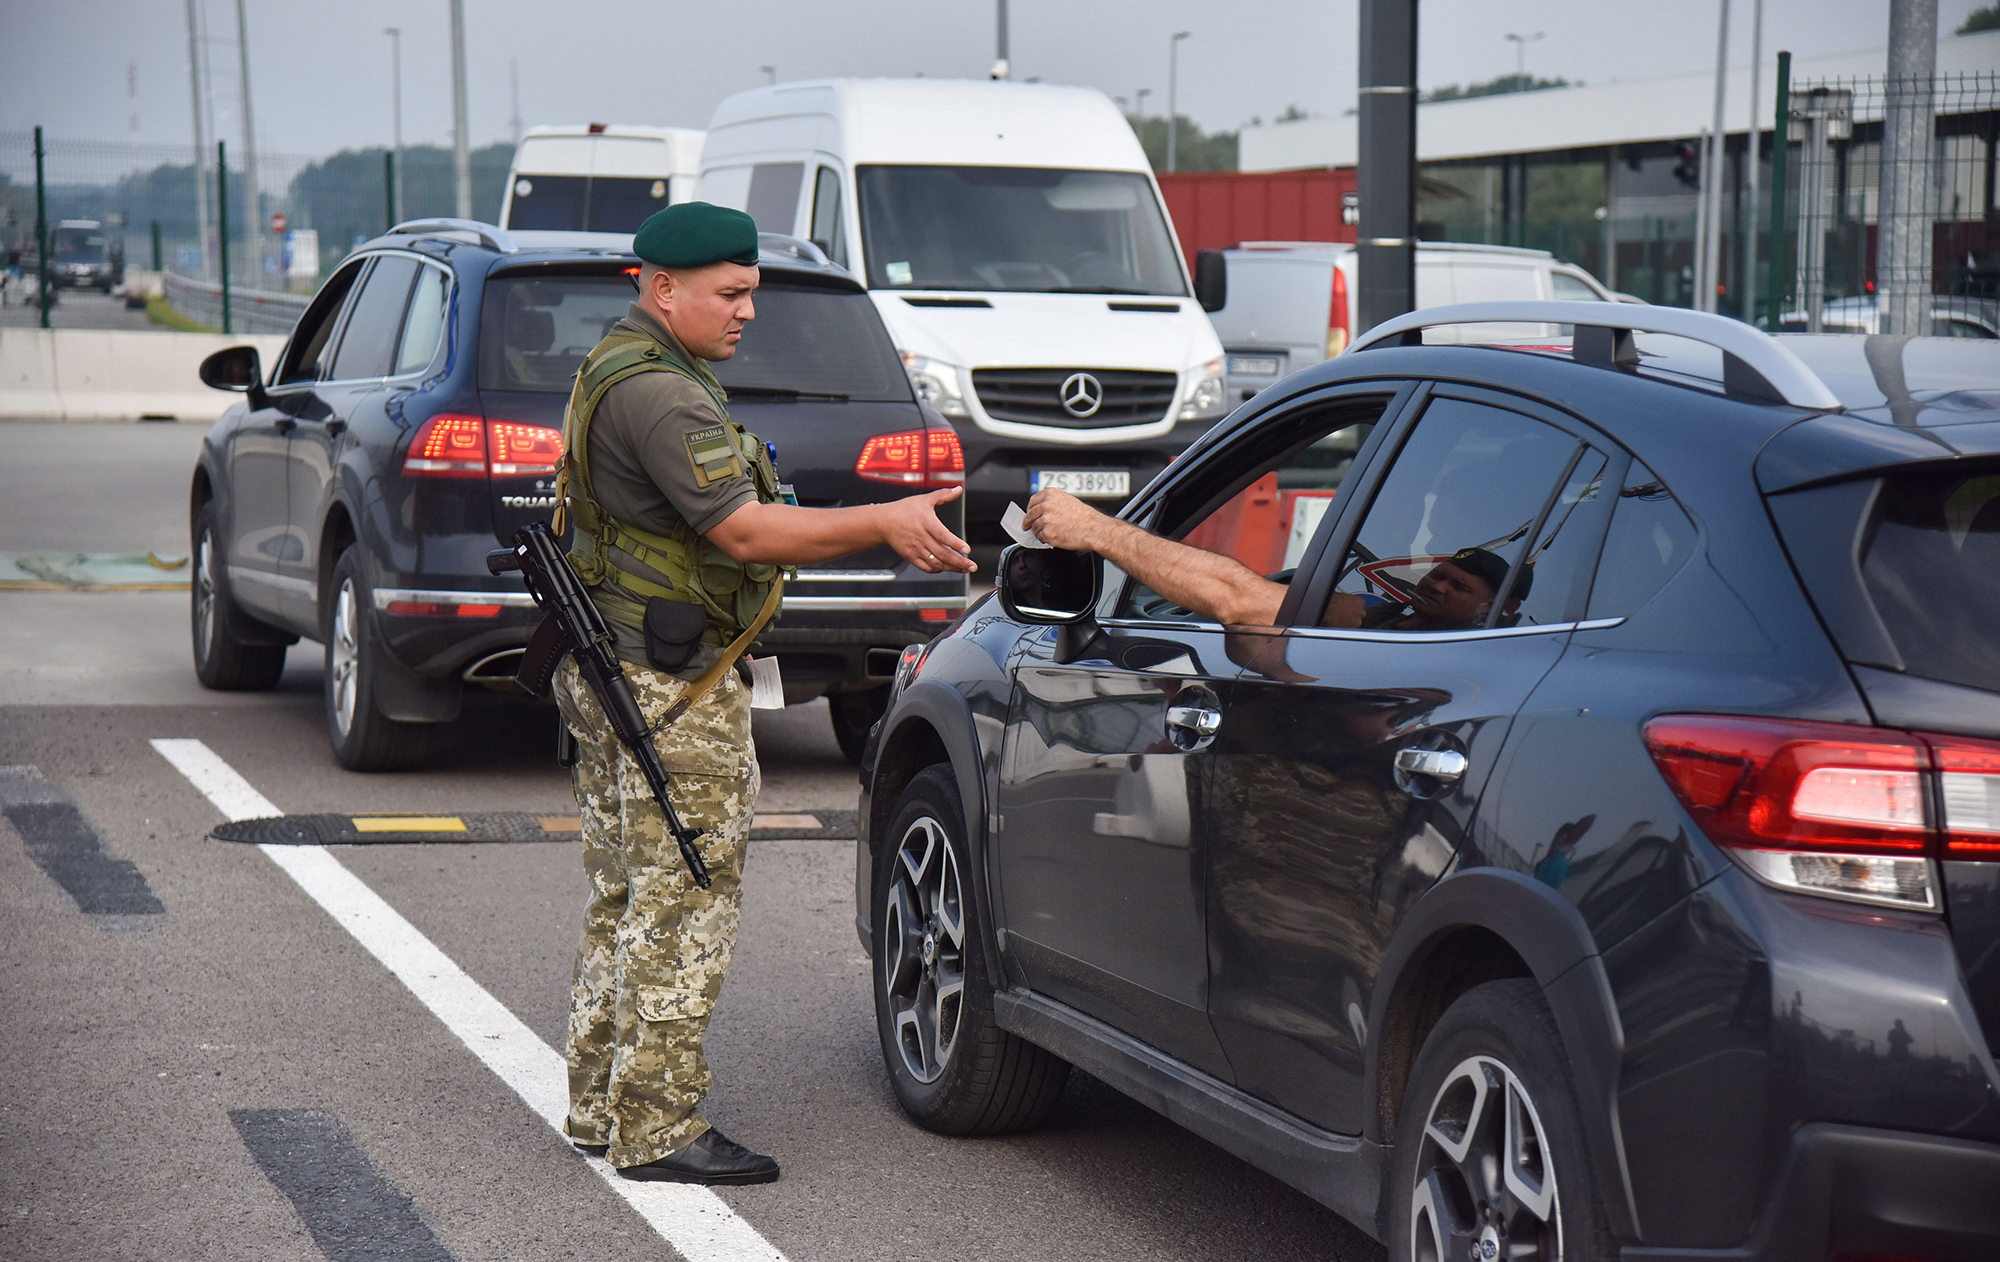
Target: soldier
column 682, row 534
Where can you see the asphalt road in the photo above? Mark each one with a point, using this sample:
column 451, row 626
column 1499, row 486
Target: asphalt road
column 73, row 309
column 198, row 1059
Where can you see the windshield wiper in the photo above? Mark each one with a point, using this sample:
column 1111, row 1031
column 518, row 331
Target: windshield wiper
column 781, row 392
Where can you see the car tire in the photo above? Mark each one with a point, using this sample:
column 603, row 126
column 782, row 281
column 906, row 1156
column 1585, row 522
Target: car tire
column 222, row 659
column 1490, row 1100
column 954, row 1070
column 855, row 714
column 364, row 739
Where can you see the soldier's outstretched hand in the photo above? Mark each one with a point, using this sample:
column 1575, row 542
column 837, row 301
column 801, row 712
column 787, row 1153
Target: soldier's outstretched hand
column 914, row 531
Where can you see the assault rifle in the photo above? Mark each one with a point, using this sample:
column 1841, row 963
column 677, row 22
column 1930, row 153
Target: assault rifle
column 573, row 625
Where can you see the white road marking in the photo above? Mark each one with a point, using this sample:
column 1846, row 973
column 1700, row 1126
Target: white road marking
column 694, row 1220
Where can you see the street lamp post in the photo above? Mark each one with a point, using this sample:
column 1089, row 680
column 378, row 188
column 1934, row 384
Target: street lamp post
column 1002, row 67
column 1173, row 88
column 1521, row 43
column 395, row 34
column 461, row 140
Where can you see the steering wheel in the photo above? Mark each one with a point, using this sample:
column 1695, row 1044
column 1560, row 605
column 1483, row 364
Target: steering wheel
column 1095, row 267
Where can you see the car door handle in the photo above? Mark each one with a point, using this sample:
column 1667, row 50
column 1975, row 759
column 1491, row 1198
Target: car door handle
column 1438, row 764
column 335, row 426
column 285, row 424
column 1192, row 726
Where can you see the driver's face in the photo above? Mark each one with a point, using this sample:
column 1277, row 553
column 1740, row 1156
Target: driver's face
column 1449, row 594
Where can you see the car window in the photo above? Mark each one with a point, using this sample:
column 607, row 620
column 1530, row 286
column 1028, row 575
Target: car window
column 548, row 202
column 534, row 333
column 1929, row 570
column 307, row 349
column 620, row 203
column 1565, row 544
column 423, row 327
column 1451, row 522
column 774, row 195
column 367, row 346
column 1962, row 328
column 1568, row 288
column 1263, row 507
column 827, row 231
column 815, row 341
column 1649, row 540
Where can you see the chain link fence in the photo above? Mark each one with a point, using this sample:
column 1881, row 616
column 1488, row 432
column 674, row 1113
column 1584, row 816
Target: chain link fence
column 166, row 209
column 1940, row 199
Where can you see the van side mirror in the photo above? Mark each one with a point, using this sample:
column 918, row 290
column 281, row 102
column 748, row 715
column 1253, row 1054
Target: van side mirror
column 1049, row 587
column 238, row 368
column 1211, row 279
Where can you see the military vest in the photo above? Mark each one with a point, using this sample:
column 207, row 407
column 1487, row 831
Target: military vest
column 701, row 573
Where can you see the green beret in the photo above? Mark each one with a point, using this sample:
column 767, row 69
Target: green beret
column 695, row 234
column 1488, row 566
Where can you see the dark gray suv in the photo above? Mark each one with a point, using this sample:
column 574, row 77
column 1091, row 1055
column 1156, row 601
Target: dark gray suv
column 414, row 419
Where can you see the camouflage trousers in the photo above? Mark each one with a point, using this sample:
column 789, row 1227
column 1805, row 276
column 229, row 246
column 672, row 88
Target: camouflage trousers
column 655, row 947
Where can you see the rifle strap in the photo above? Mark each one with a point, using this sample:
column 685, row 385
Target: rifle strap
column 713, row 675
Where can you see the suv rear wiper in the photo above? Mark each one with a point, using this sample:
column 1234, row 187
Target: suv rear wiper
column 781, row 392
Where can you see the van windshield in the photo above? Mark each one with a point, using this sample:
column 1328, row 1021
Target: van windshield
column 79, row 243
column 1018, row 229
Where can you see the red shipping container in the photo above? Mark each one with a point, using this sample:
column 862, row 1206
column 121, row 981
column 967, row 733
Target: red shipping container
column 1213, row 210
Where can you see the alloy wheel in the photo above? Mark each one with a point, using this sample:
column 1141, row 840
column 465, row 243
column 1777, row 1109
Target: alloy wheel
column 204, row 599
column 924, row 948
column 1485, row 1185
column 345, row 654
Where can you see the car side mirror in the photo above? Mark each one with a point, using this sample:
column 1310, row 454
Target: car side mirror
column 1049, row 587
column 1211, row 279
column 239, row 368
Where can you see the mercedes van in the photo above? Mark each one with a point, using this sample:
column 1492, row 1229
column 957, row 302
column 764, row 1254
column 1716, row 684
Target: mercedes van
column 598, row 177
column 1014, row 240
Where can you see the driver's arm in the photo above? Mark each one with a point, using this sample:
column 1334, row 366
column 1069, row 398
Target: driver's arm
column 1207, row 583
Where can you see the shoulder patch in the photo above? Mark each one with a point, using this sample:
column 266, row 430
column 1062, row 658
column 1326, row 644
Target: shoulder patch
column 713, row 455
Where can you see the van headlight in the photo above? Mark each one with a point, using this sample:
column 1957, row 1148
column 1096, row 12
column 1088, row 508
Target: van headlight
column 1208, row 400
column 936, row 383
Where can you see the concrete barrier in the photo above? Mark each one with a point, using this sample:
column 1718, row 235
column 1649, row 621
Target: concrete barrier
column 114, row 375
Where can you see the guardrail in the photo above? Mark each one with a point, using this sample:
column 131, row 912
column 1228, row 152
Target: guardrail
column 251, row 310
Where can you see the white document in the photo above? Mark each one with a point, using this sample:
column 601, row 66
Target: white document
column 767, row 690
column 1010, row 521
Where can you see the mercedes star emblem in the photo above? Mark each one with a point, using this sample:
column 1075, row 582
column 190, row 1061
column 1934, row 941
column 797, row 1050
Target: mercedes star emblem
column 1082, row 394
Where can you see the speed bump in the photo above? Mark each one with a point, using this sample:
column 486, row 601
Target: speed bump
column 490, row 826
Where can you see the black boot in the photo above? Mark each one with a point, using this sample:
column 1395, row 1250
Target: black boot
column 712, row 1158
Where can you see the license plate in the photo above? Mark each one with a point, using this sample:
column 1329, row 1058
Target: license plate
column 1253, row 366
column 1083, row 483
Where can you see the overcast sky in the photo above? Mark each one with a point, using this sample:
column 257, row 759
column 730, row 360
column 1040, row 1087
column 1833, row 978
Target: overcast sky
column 320, row 69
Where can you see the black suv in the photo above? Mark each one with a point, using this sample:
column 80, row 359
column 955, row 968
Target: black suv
column 415, row 418
column 1652, row 911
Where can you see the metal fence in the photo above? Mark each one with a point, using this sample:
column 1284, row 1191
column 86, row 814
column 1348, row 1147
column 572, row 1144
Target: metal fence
column 1939, row 198
column 170, row 209
column 250, row 310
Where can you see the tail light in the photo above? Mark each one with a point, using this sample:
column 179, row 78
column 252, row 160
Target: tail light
column 448, row 446
column 918, row 457
column 1337, row 333
column 518, row 449
column 453, row 445
column 1826, row 808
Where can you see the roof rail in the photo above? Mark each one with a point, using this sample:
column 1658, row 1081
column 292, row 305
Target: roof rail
column 793, row 247
column 495, row 239
column 1753, row 362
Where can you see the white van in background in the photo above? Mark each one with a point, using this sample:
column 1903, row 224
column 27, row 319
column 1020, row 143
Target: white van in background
column 1014, row 240
column 1294, row 303
column 598, row 177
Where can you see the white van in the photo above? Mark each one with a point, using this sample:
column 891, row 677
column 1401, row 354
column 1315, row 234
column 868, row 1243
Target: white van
column 1294, row 303
column 1014, row 240
column 598, row 177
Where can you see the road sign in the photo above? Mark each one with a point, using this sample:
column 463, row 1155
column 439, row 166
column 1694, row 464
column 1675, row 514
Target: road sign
column 278, row 222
